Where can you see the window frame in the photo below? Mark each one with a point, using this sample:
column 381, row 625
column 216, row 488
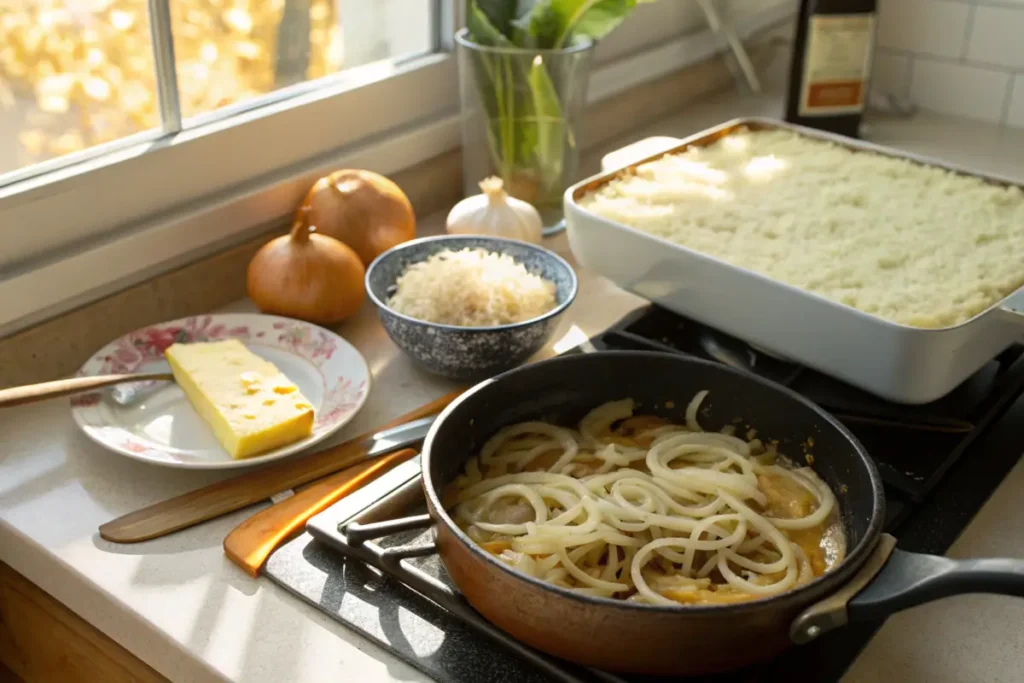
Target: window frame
column 128, row 184
column 111, row 221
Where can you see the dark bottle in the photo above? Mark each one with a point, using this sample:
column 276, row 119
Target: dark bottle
column 828, row 79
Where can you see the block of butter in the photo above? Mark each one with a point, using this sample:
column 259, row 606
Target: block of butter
column 251, row 406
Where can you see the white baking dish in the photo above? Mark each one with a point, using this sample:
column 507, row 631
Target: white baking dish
column 898, row 362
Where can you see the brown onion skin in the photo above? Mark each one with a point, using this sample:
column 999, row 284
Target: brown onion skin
column 307, row 276
column 363, row 209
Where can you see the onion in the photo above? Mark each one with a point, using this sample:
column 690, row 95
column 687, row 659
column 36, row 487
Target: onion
column 307, row 276
column 363, row 209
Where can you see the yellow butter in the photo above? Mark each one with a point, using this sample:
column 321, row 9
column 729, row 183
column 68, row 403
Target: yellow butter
column 251, row 406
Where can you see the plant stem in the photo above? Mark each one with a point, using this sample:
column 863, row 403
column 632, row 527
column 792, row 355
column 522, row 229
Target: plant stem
column 508, row 116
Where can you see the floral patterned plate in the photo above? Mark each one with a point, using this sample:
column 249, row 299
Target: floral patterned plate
column 161, row 427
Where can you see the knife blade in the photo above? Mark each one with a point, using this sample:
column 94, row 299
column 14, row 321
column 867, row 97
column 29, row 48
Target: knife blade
column 384, row 441
column 380, row 443
column 229, row 495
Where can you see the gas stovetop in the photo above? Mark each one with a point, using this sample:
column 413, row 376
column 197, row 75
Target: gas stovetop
column 940, row 462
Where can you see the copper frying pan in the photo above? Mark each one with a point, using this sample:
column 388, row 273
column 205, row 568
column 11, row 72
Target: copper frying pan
column 871, row 583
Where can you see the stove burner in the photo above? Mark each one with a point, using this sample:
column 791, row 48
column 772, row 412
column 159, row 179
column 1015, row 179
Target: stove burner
column 914, row 446
column 393, row 537
column 391, row 543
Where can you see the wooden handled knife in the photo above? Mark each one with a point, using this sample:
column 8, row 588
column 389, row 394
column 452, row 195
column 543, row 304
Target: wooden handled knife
column 233, row 494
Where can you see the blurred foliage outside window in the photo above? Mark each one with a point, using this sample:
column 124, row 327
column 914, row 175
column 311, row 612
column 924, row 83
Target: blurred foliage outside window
column 78, row 73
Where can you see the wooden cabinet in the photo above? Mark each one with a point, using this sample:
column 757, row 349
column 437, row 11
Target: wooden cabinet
column 42, row 641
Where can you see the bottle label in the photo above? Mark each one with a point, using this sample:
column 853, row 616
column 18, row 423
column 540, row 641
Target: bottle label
column 837, row 64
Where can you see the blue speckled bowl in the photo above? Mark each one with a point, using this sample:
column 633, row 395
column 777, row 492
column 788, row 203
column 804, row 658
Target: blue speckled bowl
column 469, row 353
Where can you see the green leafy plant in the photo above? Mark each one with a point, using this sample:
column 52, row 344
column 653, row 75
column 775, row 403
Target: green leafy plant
column 528, row 131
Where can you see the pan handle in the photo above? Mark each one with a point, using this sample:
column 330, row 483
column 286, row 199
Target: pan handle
column 894, row 580
column 911, row 579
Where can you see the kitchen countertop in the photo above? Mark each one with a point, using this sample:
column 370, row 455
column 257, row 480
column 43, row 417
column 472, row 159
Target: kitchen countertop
column 179, row 605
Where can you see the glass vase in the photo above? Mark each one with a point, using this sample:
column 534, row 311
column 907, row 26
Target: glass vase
column 521, row 117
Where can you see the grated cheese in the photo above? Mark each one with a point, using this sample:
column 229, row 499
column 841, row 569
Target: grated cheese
column 472, row 288
column 914, row 244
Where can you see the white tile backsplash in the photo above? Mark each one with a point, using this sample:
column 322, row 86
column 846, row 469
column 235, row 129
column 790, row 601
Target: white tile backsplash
column 957, row 57
column 890, row 74
column 1015, row 113
column 935, row 27
column 959, row 90
column 997, row 36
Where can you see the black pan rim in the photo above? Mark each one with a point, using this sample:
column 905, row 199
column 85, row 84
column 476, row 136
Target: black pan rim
column 816, row 588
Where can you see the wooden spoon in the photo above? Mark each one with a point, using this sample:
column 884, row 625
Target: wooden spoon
column 75, row 385
column 251, row 542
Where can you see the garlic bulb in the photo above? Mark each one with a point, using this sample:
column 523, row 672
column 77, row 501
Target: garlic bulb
column 496, row 214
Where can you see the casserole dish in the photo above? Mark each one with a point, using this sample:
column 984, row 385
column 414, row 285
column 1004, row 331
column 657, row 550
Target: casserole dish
column 873, row 580
column 897, row 362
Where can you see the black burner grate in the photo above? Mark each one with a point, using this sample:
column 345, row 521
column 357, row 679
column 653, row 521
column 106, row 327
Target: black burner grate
column 393, row 537
column 913, row 445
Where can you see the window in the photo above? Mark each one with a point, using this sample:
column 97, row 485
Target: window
column 70, row 78
column 118, row 114
column 76, row 74
column 137, row 134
